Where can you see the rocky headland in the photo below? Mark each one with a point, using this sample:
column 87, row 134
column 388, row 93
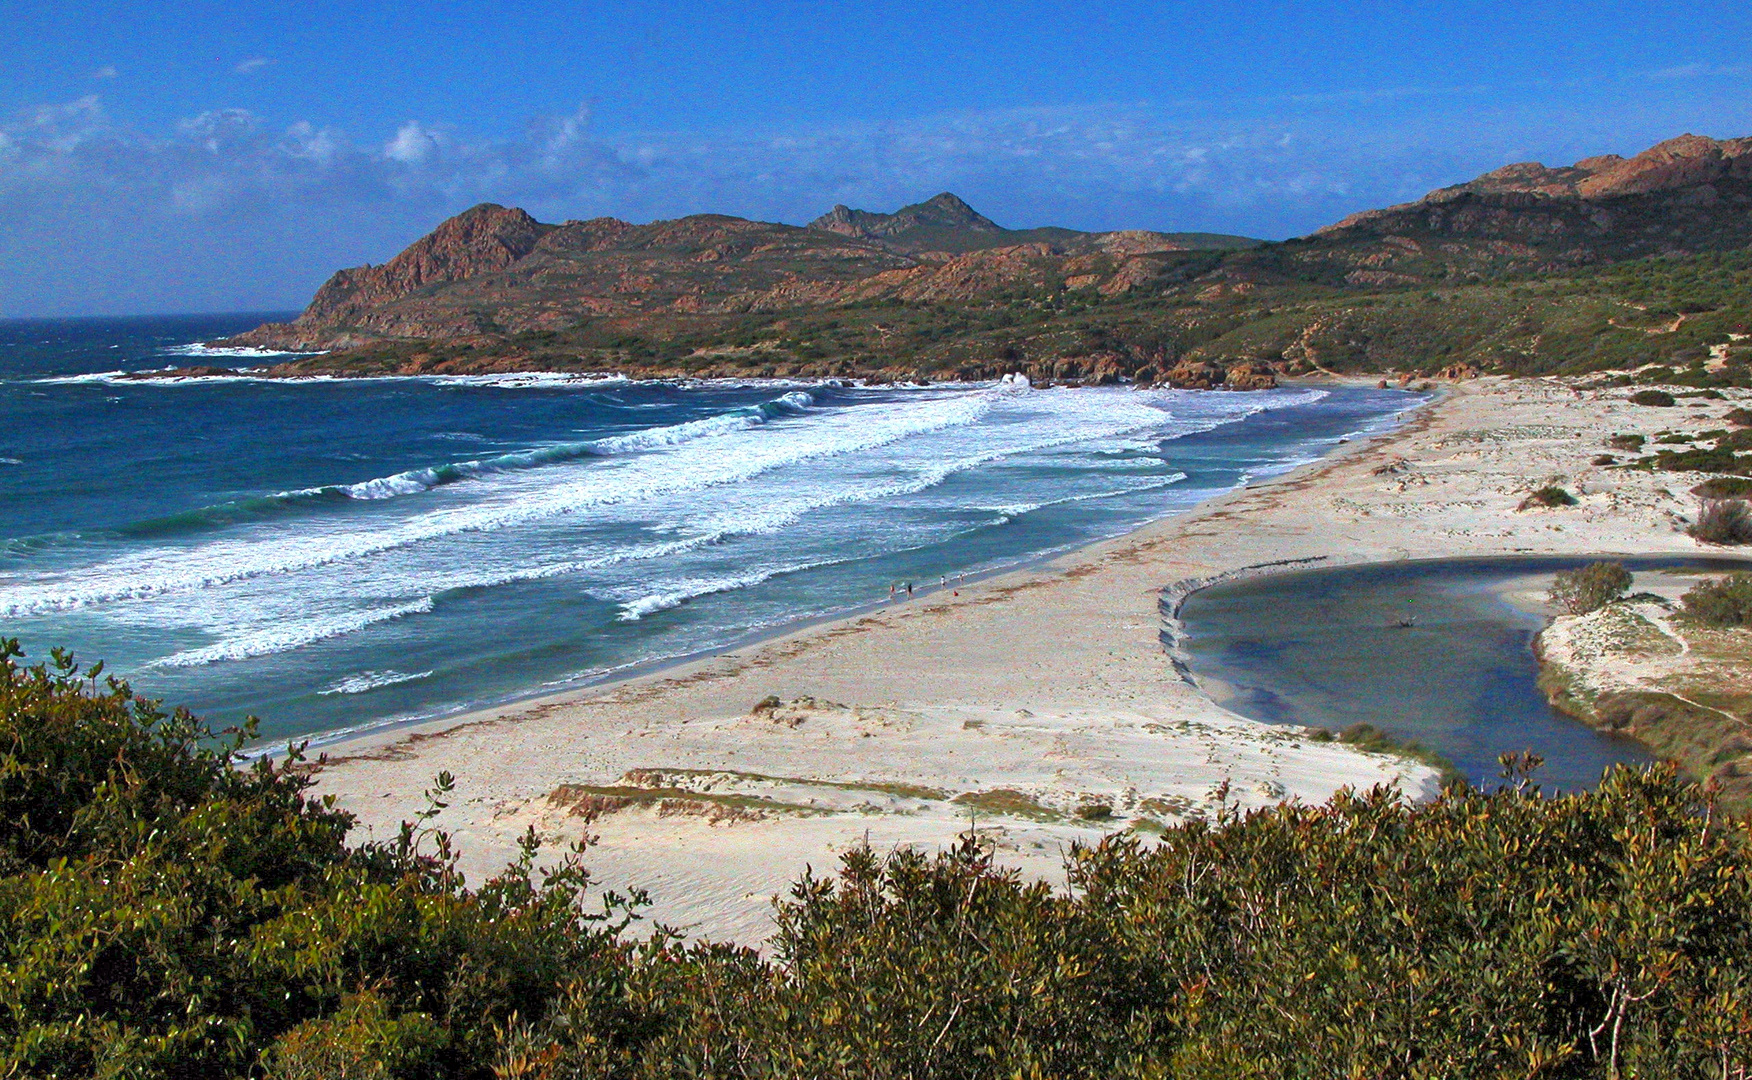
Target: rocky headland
column 1529, row 269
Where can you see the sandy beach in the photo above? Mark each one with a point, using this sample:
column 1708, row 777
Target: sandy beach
column 1040, row 706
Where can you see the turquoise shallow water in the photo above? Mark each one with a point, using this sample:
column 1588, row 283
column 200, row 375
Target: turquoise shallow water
column 1322, row 647
column 331, row 554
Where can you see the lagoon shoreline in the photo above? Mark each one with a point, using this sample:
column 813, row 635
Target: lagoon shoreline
column 1039, row 704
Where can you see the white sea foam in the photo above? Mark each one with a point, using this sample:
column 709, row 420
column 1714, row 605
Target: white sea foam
column 138, row 378
column 525, row 380
column 487, row 579
column 77, row 380
column 283, row 638
column 159, row 572
column 196, row 348
column 415, row 481
column 371, row 680
column 680, row 592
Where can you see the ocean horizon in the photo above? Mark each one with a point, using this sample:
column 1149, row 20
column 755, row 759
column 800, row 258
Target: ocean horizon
column 331, row 554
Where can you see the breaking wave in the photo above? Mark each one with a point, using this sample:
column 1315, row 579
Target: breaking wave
column 414, row 481
column 417, row 480
column 196, row 348
column 156, row 573
column 279, row 639
column 370, row 680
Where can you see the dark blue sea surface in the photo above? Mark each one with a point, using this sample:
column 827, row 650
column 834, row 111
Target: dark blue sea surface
column 1326, row 648
column 327, row 554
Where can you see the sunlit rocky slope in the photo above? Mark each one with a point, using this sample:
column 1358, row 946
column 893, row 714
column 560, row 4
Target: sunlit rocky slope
column 1608, row 262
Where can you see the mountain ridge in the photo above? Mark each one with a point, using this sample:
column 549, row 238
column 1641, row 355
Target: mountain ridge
column 938, row 290
column 1684, row 195
column 942, row 210
column 700, row 264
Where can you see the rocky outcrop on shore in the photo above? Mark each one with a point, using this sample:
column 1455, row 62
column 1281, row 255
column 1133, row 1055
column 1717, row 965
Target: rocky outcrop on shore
column 1212, row 375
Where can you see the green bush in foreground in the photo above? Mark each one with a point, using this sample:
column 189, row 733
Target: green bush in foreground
column 164, row 914
column 1589, row 588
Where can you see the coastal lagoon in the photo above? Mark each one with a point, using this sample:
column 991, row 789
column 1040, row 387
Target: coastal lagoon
column 327, row 554
column 1437, row 652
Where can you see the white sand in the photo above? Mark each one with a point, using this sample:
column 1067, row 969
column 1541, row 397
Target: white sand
column 1051, row 683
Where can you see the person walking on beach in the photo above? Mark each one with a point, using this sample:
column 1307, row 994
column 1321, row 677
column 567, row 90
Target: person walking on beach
column 909, row 590
column 891, row 591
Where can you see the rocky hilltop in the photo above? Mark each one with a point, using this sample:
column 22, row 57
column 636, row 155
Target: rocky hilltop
column 945, row 216
column 494, row 270
column 1607, row 262
column 944, row 223
column 1685, row 195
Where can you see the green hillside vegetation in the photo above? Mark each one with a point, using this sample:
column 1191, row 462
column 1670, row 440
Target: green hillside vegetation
column 168, row 911
column 1660, row 311
column 1650, row 311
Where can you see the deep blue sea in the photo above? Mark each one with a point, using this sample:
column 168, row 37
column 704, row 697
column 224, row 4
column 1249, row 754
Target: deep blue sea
column 331, row 554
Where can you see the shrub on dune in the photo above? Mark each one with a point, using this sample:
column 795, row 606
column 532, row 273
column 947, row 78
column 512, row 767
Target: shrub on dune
column 1589, row 588
column 1550, row 497
column 1725, row 601
column 1724, row 487
column 1724, row 522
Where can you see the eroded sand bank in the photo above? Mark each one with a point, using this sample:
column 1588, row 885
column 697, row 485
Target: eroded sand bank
column 1040, row 704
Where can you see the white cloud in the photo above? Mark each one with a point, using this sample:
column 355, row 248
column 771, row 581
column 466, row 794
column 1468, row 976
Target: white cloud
column 305, row 140
column 412, row 144
column 219, row 127
column 253, row 64
column 108, row 71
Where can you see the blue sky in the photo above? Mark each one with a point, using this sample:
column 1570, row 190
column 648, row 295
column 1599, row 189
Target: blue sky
column 207, row 157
